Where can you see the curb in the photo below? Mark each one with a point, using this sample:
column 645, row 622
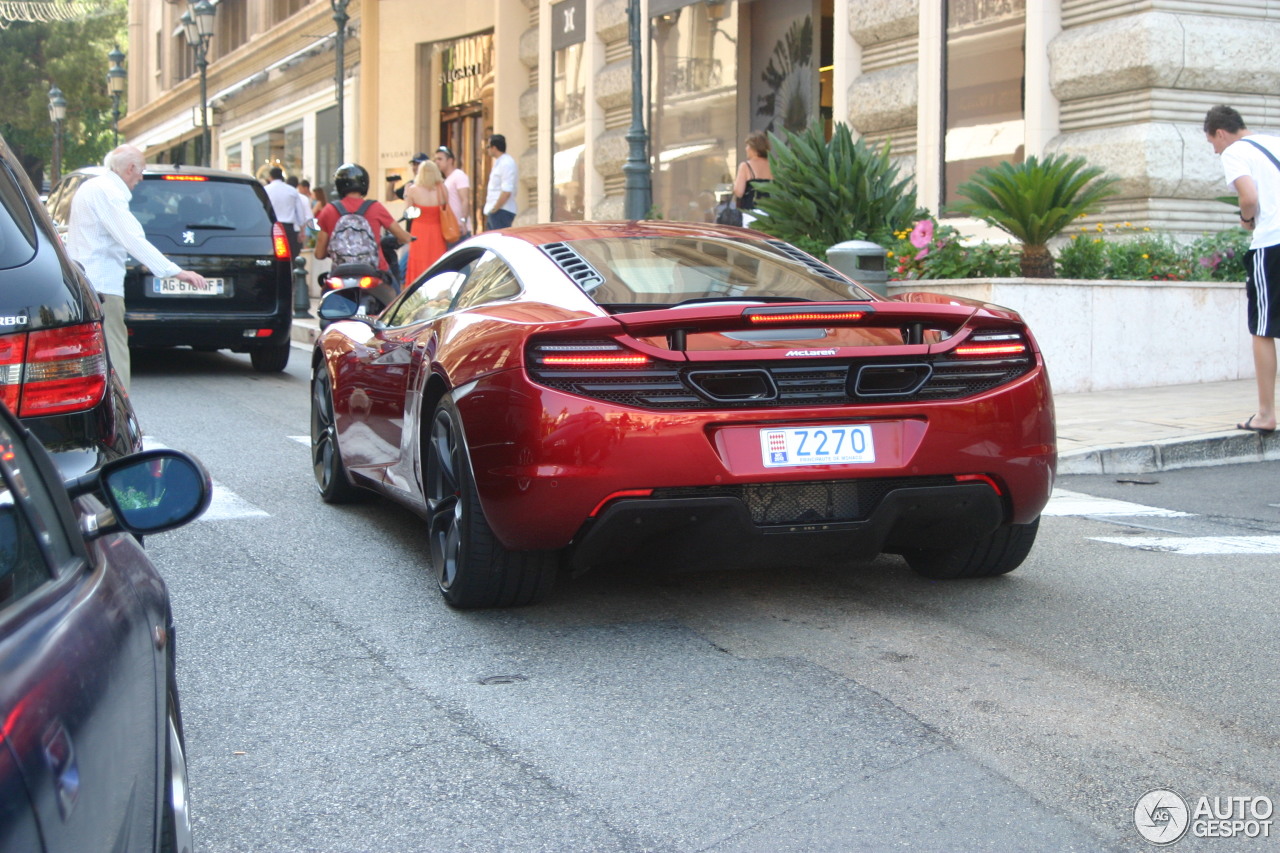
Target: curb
column 1196, row 452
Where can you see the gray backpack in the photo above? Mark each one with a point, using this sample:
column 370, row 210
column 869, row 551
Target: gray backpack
column 352, row 241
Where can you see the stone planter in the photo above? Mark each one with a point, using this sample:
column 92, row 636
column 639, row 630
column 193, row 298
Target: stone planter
column 1101, row 335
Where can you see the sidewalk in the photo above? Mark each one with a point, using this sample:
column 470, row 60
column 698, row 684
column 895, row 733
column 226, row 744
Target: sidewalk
column 1134, row 431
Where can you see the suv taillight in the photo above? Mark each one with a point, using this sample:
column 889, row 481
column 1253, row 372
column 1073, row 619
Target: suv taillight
column 280, row 242
column 53, row 371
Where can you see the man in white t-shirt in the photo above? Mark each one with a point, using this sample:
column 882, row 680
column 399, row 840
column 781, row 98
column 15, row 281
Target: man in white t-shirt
column 458, row 187
column 1251, row 163
column 500, row 194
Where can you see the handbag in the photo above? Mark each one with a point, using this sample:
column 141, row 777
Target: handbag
column 450, row 227
column 728, row 214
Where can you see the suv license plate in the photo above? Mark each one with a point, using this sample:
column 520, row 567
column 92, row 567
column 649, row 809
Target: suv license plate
column 178, row 287
column 848, row 444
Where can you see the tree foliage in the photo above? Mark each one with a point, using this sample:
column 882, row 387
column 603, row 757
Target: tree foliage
column 823, row 193
column 1034, row 201
column 73, row 56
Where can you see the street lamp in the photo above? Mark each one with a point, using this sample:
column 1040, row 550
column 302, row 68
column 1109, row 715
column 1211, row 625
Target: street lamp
column 115, row 85
column 639, row 187
column 340, row 20
column 197, row 26
column 57, row 112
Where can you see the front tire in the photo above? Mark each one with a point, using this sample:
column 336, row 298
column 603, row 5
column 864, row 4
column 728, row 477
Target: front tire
column 175, row 829
column 272, row 359
column 473, row 569
column 998, row 553
column 326, row 459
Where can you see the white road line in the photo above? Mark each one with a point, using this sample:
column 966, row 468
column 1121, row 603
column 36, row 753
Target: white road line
column 1199, row 545
column 301, row 439
column 224, row 503
column 1064, row 502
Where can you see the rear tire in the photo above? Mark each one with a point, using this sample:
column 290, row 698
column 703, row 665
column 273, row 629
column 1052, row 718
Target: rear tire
column 272, row 359
column 473, row 569
column 998, row 553
column 326, row 459
column 175, row 829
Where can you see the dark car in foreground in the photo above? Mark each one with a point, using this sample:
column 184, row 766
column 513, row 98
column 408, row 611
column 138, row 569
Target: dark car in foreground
column 54, row 370
column 92, row 755
column 221, row 225
column 585, row 394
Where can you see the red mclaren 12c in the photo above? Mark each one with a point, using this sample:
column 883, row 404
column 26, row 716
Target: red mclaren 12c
column 577, row 395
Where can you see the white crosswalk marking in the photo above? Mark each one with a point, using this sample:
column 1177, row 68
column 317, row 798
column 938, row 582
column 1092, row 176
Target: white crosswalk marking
column 1064, row 502
column 224, row 503
column 1199, row 545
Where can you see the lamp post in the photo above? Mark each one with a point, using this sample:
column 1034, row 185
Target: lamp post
column 57, row 112
column 639, row 188
column 197, row 26
column 115, row 85
column 340, row 43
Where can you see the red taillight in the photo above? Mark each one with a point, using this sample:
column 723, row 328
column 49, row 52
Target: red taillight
column 280, row 242
column 600, row 360
column 338, row 282
column 990, row 349
column 808, row 317
column 54, row 371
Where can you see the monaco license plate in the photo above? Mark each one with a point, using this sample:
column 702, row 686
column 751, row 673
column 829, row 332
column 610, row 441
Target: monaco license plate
column 178, row 287
column 848, row 444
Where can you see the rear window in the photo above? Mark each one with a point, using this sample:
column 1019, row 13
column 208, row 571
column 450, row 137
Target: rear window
column 164, row 204
column 669, row 270
column 17, row 228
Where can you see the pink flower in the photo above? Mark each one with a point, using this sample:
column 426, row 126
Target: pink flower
column 922, row 235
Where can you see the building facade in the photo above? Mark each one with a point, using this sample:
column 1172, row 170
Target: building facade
column 952, row 85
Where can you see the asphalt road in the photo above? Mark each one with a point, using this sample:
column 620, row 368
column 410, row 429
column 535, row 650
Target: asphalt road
column 334, row 703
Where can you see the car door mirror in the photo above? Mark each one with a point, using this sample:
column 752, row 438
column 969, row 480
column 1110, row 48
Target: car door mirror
column 155, row 490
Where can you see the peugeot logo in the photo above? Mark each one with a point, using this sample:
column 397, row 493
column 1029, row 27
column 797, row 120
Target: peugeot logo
column 189, row 237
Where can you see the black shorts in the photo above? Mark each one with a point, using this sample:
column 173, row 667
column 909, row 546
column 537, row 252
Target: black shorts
column 1262, row 285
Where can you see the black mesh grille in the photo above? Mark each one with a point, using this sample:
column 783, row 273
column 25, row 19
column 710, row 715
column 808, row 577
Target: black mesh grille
column 809, row 503
column 658, row 386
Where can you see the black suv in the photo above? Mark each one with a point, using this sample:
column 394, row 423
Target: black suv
column 221, row 225
column 54, row 372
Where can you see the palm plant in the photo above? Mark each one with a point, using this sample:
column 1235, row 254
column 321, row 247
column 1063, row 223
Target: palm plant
column 1034, row 201
column 823, row 193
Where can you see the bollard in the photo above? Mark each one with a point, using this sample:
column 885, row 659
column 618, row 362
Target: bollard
column 862, row 261
column 301, row 297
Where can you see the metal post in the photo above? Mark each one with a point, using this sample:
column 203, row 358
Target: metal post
column 639, row 187
column 340, row 21
column 205, row 139
column 115, row 85
column 197, row 24
column 301, row 297
column 57, row 112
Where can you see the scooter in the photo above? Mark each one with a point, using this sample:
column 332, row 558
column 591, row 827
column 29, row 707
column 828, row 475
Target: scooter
column 354, row 291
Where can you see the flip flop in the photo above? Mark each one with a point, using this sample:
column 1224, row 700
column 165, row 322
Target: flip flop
column 1248, row 426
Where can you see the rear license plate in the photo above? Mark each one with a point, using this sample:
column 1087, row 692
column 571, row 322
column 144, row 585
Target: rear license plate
column 848, row 444
column 178, row 287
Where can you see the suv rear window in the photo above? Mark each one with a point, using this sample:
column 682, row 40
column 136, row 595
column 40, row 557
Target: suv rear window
column 178, row 202
column 17, row 228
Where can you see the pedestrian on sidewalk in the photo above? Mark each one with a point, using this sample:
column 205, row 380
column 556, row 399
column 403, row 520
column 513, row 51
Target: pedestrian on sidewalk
column 102, row 232
column 291, row 210
column 500, row 192
column 1251, row 163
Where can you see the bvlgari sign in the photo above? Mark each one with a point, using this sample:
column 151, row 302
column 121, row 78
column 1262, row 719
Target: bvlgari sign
column 466, row 69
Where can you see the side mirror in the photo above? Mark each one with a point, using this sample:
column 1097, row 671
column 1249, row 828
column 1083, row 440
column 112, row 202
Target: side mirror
column 350, row 303
column 151, row 491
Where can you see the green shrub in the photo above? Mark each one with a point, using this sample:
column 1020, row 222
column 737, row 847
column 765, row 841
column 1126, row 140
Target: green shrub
column 931, row 251
column 1034, row 201
column 1220, row 256
column 823, row 193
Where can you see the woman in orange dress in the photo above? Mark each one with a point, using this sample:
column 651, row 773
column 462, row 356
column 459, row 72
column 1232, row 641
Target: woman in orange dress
column 427, row 193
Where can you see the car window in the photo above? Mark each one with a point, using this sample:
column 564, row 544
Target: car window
column 492, row 279
column 165, row 203
column 429, row 299
column 17, row 228
column 668, row 270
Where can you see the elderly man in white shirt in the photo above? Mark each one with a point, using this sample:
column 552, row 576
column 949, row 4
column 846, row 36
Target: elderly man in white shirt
column 292, row 211
column 102, row 233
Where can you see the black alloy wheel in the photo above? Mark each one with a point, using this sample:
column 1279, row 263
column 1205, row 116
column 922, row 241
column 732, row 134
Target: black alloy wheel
column 326, row 460
column 473, row 569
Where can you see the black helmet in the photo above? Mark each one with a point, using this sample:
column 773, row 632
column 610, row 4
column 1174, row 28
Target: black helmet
column 349, row 178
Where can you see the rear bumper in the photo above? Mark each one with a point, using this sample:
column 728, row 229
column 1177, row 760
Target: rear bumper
column 720, row 531
column 217, row 331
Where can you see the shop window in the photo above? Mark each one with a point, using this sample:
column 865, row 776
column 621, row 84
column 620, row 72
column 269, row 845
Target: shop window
column 694, row 102
column 326, row 149
column 985, row 87
column 235, row 158
column 568, row 133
